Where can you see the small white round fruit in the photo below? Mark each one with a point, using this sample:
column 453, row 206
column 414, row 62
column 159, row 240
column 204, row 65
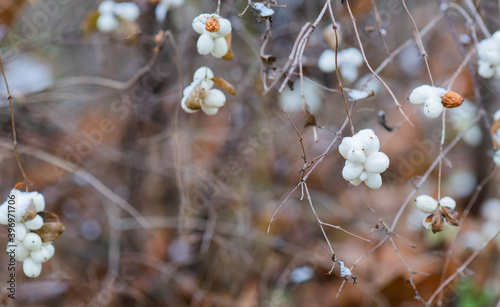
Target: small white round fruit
column 377, row 162
column 447, row 201
column 225, row 27
column 485, row 69
column 356, row 155
column 127, row 10
column 4, row 214
column 35, row 223
column 433, row 107
column 205, row 44
column 38, row 201
column 220, row 47
column 204, row 88
column 20, row 231
column 214, row 99
column 203, row 73
column 107, row 23
column 20, row 252
column 32, row 241
column 208, row 110
column 345, row 146
column 371, row 143
column 40, row 255
column 50, row 249
column 32, row 268
column 106, row 7
column 351, row 170
column 420, row 94
column 363, row 176
column 373, row 181
column 426, row 203
column 355, row 182
column 496, row 157
column 350, row 56
column 326, row 61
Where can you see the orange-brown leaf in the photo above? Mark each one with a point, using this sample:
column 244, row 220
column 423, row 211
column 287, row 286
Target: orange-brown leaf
column 228, row 87
column 52, row 227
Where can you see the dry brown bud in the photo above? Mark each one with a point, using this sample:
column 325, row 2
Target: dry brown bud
column 452, row 100
column 212, row 25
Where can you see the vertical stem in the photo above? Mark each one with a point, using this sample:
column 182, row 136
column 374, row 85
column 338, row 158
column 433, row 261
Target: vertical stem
column 14, row 136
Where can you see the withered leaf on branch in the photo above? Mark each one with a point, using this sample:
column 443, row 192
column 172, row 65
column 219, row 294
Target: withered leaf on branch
column 310, row 119
column 437, row 223
column 30, row 212
column 52, row 227
column 451, row 216
column 494, row 129
column 89, row 25
column 228, row 87
column 193, row 101
column 229, row 55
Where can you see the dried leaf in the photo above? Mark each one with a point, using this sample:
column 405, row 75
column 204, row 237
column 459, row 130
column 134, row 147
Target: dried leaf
column 310, row 120
column 193, row 101
column 452, row 217
column 437, row 223
column 52, row 227
column 229, row 55
column 30, row 212
column 228, row 87
column 90, row 23
column 494, row 129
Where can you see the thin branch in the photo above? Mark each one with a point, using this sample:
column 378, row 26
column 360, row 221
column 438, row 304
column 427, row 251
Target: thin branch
column 13, row 123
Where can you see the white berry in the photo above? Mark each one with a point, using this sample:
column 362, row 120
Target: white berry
column 214, row 99
column 35, row 223
column 32, row 241
column 426, row 203
column 377, row 162
column 205, row 44
column 31, row 268
column 351, row 170
column 447, row 202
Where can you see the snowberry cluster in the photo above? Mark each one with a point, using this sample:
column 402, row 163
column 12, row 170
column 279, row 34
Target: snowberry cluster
column 200, row 94
column 163, row 6
column 435, row 99
column 488, row 51
column 348, row 61
column 441, row 211
column 25, row 245
column 111, row 13
column 364, row 163
column 212, row 29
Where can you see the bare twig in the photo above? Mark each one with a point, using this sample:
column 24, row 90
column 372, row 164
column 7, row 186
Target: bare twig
column 13, row 123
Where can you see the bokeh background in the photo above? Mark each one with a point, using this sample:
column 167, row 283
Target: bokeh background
column 205, row 187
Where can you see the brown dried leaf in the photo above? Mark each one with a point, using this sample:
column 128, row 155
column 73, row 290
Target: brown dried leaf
column 310, row 120
column 437, row 223
column 52, row 227
column 193, row 101
column 494, row 129
column 229, row 55
column 451, row 216
column 228, row 87
column 89, row 25
column 30, row 212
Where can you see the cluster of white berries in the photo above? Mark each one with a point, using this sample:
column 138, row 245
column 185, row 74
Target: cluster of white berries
column 212, row 29
column 488, row 51
column 364, row 162
column 200, row 94
column 163, row 6
column 430, row 97
column 111, row 13
column 441, row 212
column 348, row 61
column 25, row 245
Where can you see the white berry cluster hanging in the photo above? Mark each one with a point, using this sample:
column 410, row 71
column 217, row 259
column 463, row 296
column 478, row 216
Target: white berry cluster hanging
column 442, row 211
column 213, row 30
column 112, row 13
column 348, row 61
column 434, row 99
column 31, row 230
column 364, row 162
column 200, row 94
column 488, row 51
column 163, row 6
